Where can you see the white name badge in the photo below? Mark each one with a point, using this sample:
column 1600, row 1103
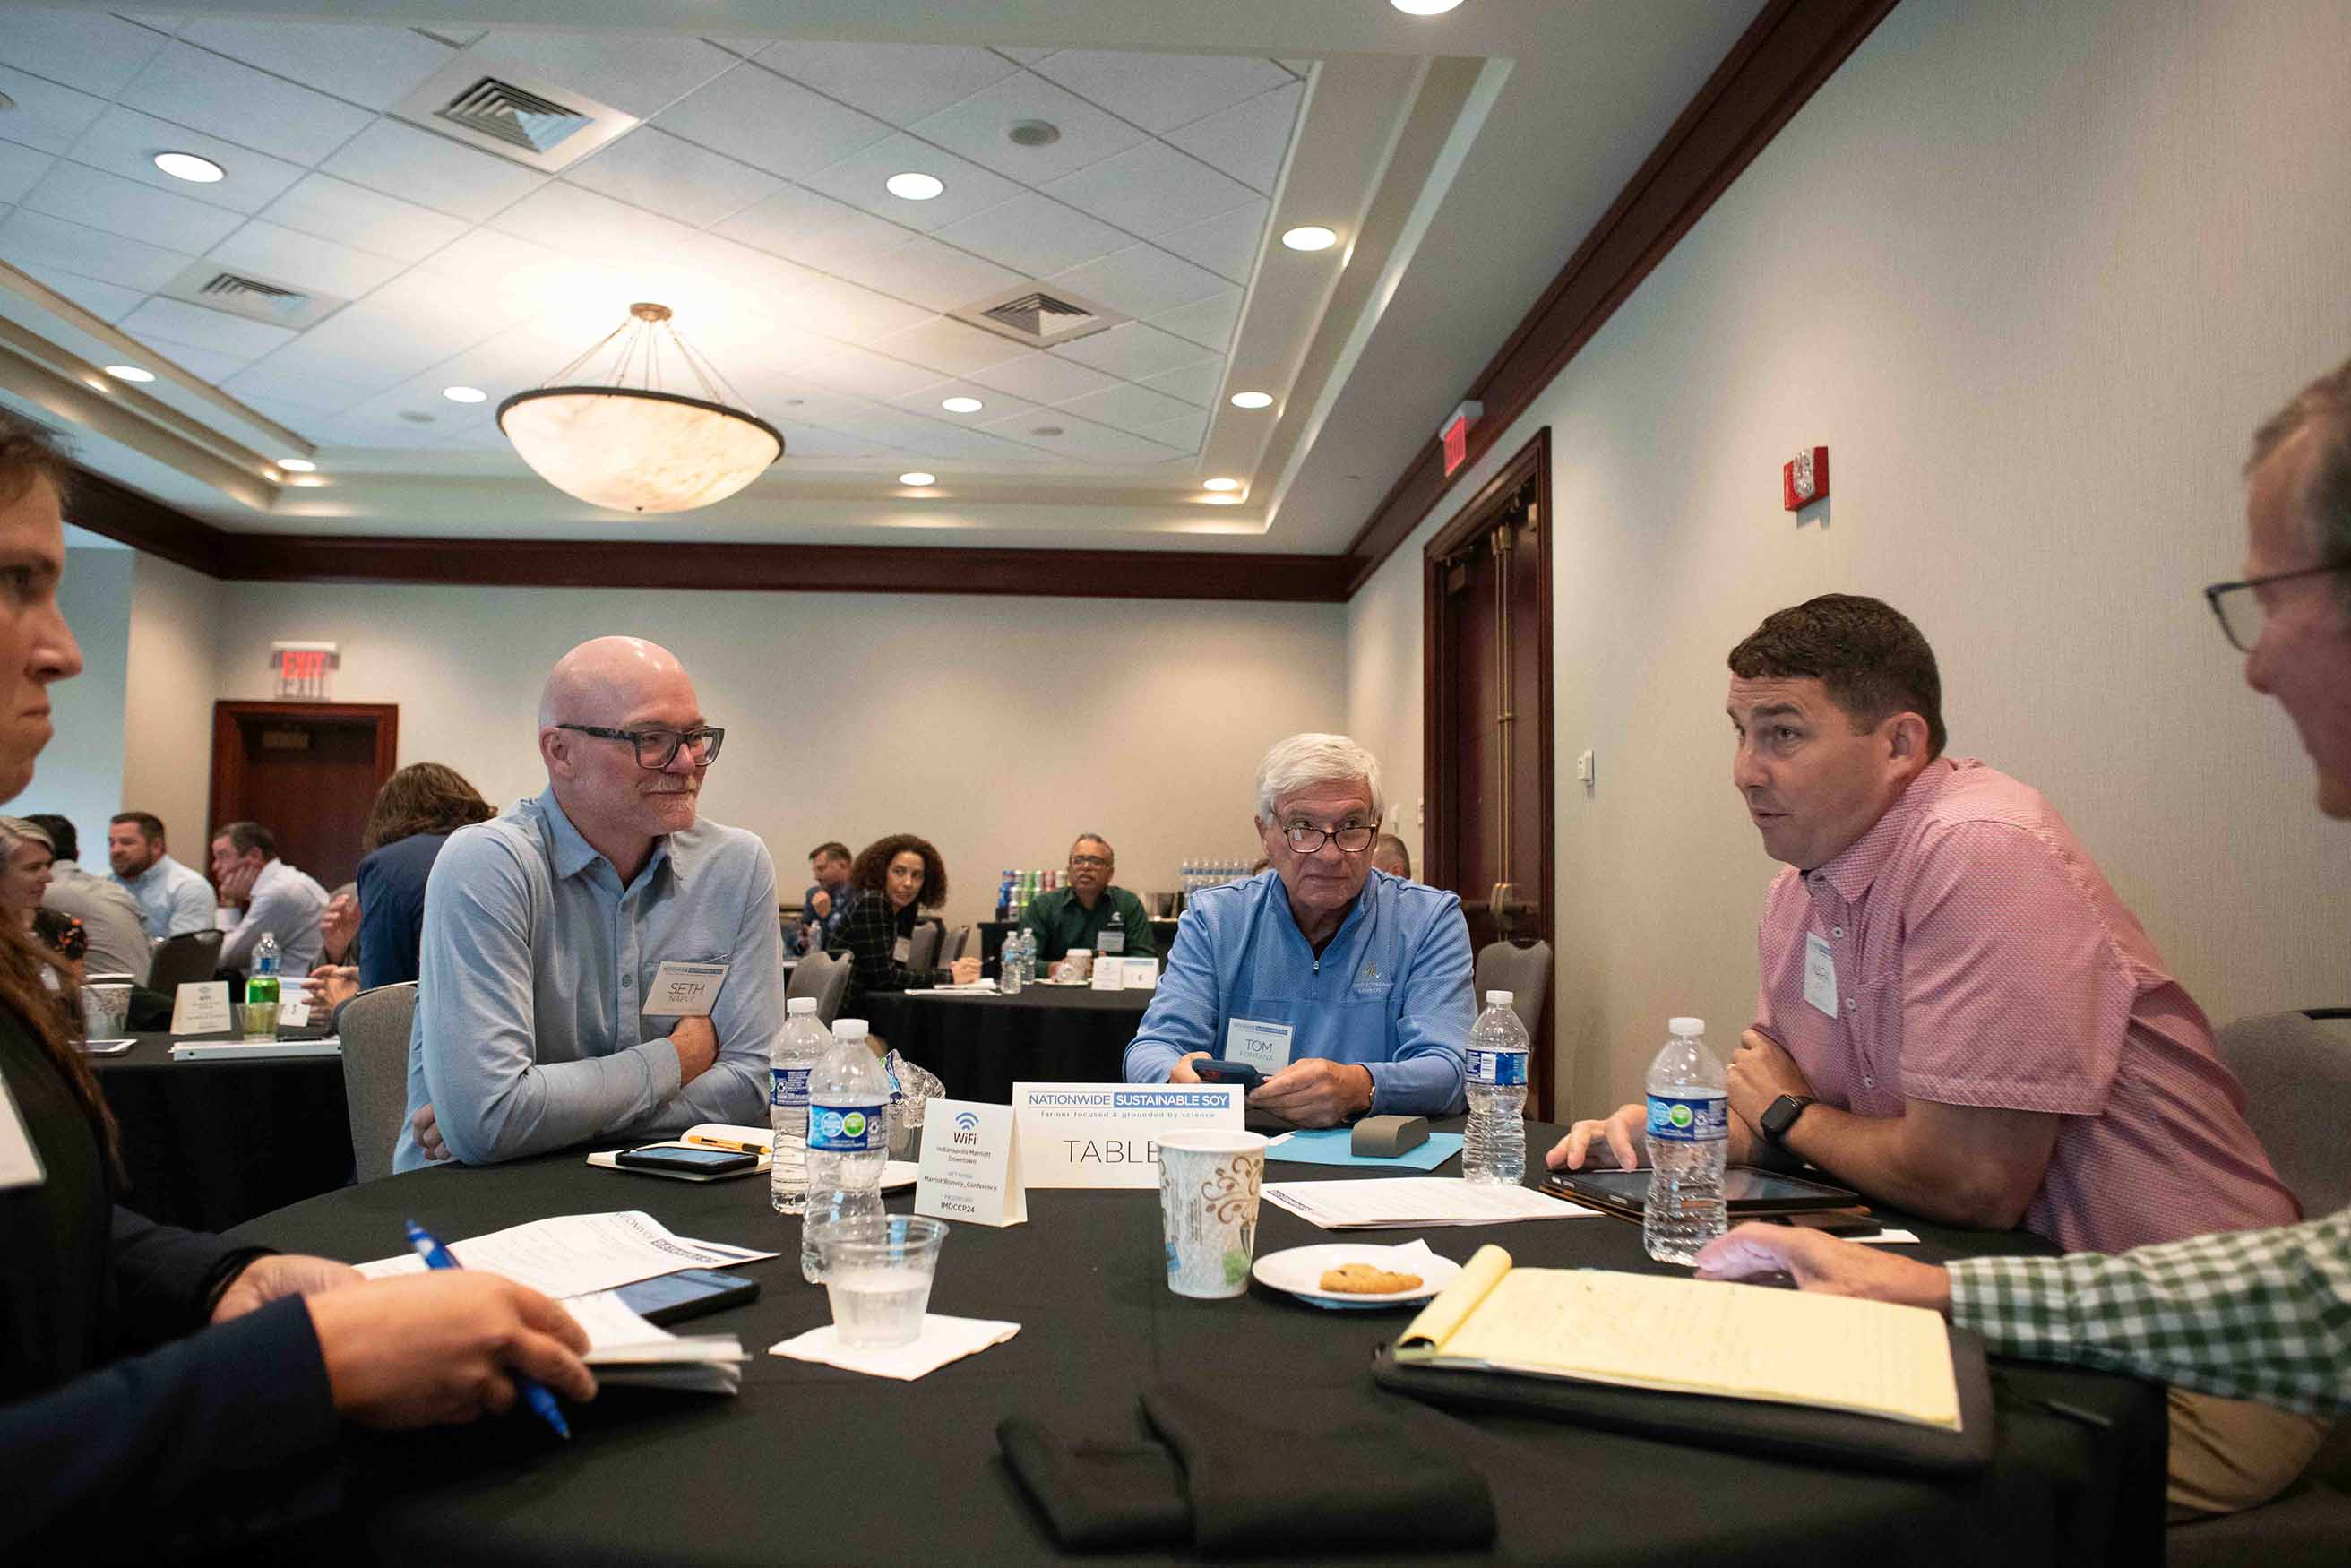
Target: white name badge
column 293, row 1012
column 20, row 1163
column 684, row 990
column 1111, row 940
column 1107, row 1134
column 1819, row 974
column 200, row 1007
column 1264, row 1046
column 903, row 951
column 971, row 1165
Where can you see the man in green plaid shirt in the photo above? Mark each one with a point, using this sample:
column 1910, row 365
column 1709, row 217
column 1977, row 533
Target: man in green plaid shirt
column 2259, row 1315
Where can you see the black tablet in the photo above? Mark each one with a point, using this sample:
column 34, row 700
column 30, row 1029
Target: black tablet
column 1747, row 1192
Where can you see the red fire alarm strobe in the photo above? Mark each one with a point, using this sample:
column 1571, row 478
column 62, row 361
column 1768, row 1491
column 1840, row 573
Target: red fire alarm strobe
column 1805, row 479
column 1455, row 435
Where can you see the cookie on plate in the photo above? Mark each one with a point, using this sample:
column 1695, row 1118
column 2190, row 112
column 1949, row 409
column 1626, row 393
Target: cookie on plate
column 1366, row 1280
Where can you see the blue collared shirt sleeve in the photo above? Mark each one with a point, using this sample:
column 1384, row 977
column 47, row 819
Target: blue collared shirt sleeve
column 1428, row 1074
column 1184, row 1010
column 749, row 1013
column 193, row 904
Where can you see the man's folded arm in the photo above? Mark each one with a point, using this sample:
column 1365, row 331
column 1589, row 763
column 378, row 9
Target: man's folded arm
column 749, row 1014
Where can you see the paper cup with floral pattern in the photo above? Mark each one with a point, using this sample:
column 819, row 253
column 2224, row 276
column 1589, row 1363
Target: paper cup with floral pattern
column 1209, row 1184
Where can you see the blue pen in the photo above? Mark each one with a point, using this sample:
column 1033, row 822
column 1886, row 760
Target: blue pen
column 436, row 1256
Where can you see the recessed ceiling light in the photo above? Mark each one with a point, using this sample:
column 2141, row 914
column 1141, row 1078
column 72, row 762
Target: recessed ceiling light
column 129, row 373
column 1310, row 236
column 1220, row 483
column 1423, row 7
column 465, row 394
column 962, row 404
column 297, row 465
column 914, row 187
column 1252, row 400
column 188, row 166
column 1034, row 133
column 918, row 480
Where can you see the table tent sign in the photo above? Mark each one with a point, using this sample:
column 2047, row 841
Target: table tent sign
column 1107, row 1134
column 201, row 1008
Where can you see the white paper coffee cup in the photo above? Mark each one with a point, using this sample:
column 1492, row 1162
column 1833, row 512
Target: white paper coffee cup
column 1209, row 1184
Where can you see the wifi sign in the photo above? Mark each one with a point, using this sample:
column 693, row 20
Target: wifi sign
column 967, row 1120
column 966, row 1130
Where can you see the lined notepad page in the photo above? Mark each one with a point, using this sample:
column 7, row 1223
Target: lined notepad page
column 1744, row 1341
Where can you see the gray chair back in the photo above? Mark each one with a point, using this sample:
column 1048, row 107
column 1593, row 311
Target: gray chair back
column 2296, row 1070
column 922, row 947
column 375, row 1026
column 1524, row 972
column 824, row 977
column 953, row 946
column 178, row 960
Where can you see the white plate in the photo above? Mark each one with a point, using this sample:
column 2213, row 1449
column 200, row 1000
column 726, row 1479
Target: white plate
column 900, row 1173
column 1299, row 1270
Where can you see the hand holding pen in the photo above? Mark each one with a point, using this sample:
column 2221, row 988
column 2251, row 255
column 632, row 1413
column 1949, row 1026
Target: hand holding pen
column 534, row 1394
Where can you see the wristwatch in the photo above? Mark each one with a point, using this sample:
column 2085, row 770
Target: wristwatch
column 1781, row 1114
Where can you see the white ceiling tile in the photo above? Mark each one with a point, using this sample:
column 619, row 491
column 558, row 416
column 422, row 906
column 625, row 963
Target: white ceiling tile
column 1209, row 322
column 1227, row 245
column 938, row 275
column 243, row 105
column 303, row 422
column 1195, row 383
column 528, row 279
column 308, row 394
column 897, row 82
column 322, row 266
column 1043, row 378
column 858, row 180
column 124, row 142
column 946, row 442
column 107, row 301
column 1248, row 140
column 1133, row 351
column 432, row 171
column 1184, row 432
column 1141, row 280
column 1296, row 67
column 21, row 169
column 995, row 406
column 335, row 209
column 1084, row 439
column 870, row 375
column 1150, row 189
column 815, row 441
column 456, row 37
column 46, row 116
column 841, row 309
column 162, row 320
column 1026, row 57
column 205, row 364
column 30, row 239
column 949, row 347
column 672, row 176
column 1035, row 235
column 370, row 64
column 592, row 227
column 1159, row 92
column 1128, row 407
column 125, row 207
column 976, row 128
column 813, row 229
column 635, row 73
column 374, row 429
column 88, row 50
column 770, row 123
column 745, row 47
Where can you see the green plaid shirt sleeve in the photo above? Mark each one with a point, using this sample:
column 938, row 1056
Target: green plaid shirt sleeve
column 2245, row 1315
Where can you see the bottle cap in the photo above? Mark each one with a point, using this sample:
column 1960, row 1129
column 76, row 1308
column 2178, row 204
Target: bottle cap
column 849, row 1028
column 1687, row 1026
column 1499, row 998
column 797, row 1006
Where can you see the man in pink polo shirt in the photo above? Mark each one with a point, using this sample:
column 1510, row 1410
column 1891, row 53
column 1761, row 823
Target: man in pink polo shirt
column 1956, row 1015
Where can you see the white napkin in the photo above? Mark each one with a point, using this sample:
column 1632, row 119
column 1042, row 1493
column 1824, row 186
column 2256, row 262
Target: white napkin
column 943, row 1340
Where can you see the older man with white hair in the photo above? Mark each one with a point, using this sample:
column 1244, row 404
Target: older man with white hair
column 601, row 961
column 1347, row 987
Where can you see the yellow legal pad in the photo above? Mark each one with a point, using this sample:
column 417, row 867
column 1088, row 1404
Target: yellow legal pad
column 1690, row 1336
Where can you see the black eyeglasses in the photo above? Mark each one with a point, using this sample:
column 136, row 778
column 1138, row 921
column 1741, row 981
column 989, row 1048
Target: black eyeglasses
column 657, row 748
column 1077, row 861
column 2238, row 609
column 1351, row 839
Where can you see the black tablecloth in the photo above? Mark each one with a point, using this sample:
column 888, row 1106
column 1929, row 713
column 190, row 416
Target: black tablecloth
column 210, row 1144
column 981, row 1045
column 813, row 1464
column 992, row 934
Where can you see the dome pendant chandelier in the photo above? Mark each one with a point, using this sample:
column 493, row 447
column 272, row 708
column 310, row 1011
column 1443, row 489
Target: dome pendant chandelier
column 629, row 443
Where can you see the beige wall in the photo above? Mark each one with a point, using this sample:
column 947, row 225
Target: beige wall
column 167, row 704
column 996, row 727
column 79, row 776
column 2033, row 274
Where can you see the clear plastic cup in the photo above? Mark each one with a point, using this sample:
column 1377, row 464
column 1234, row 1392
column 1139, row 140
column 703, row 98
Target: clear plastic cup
column 877, row 1274
column 256, row 1020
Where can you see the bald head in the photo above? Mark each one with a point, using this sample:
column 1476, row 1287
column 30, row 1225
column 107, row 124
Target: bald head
column 604, row 680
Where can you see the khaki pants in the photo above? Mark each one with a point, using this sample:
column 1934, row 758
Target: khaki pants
column 2228, row 1455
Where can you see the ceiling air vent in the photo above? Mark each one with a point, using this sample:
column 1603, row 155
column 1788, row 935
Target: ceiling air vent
column 480, row 100
column 1041, row 317
column 256, row 298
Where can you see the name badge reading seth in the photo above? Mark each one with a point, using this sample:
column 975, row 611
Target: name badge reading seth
column 1819, row 974
column 684, row 990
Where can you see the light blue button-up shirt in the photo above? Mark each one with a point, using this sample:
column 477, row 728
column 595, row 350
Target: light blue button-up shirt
column 1390, row 991
column 173, row 899
column 529, row 1035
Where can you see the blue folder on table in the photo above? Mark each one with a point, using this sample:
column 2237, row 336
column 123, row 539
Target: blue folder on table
column 1330, row 1146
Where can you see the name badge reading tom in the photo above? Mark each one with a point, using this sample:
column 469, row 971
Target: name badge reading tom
column 1264, row 1046
column 1819, row 974
column 684, row 990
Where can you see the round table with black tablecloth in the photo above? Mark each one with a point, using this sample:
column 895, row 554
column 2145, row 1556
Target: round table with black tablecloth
column 209, row 1145
column 812, row 1464
column 981, row 1045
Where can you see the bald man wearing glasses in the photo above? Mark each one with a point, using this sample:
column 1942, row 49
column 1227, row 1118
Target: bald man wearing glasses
column 601, row 961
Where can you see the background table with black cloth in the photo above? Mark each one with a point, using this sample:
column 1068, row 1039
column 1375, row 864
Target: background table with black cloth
column 209, row 1145
column 981, row 1045
column 992, row 934
column 813, row 1464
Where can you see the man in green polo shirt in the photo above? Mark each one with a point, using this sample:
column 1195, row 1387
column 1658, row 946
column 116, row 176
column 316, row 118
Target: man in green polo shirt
column 1089, row 913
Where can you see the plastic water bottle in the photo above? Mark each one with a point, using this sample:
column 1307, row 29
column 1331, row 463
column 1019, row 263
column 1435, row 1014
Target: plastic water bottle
column 1689, row 1136
column 1494, row 1151
column 1028, row 957
column 1007, row 965
column 790, row 1058
column 261, row 986
column 848, row 1139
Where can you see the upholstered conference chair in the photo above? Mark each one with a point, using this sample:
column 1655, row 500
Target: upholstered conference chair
column 375, row 1026
column 1524, row 972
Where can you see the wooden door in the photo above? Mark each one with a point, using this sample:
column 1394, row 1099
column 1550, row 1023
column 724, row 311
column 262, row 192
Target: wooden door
column 307, row 772
column 1488, row 733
